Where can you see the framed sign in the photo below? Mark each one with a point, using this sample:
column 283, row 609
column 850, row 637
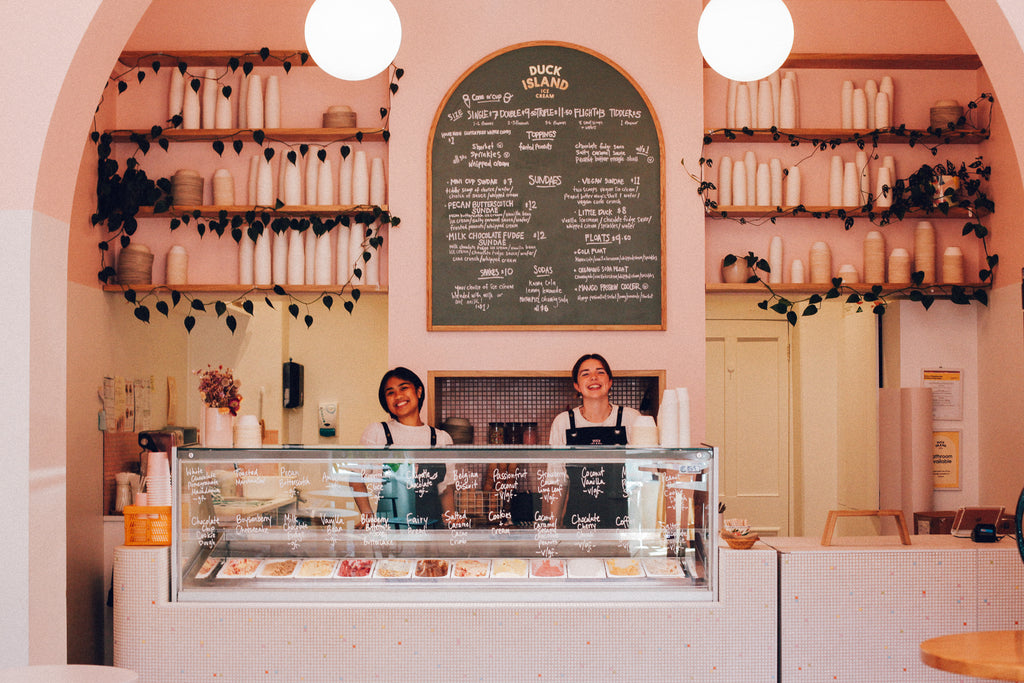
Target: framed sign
column 946, row 460
column 546, row 197
column 947, row 393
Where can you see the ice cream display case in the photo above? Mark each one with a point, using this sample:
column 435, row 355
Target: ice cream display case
column 461, row 524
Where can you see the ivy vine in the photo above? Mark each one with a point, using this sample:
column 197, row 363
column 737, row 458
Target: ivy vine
column 914, row 195
column 121, row 193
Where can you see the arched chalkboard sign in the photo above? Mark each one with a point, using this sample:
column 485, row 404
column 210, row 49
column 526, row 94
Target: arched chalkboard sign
column 546, row 198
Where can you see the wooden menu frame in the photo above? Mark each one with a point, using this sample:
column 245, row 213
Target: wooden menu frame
column 455, row 289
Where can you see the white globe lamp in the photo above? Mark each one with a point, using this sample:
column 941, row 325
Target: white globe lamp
column 353, row 39
column 745, row 40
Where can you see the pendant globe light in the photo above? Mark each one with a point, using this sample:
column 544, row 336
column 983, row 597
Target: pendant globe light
column 353, row 39
column 745, row 40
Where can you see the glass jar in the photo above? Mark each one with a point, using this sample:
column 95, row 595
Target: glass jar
column 530, row 434
column 495, row 433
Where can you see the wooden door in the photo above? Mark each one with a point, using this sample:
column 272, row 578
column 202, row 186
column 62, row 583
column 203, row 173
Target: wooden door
column 748, row 418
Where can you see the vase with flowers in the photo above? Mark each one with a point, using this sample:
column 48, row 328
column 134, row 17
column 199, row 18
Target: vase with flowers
column 221, row 400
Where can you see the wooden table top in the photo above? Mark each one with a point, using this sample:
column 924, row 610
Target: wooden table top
column 982, row 654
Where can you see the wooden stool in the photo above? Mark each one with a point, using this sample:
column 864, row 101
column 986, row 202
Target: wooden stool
column 830, row 522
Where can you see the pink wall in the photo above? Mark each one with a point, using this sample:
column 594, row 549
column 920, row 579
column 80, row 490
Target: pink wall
column 667, row 69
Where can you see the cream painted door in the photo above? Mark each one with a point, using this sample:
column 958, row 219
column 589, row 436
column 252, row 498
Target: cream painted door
column 748, row 419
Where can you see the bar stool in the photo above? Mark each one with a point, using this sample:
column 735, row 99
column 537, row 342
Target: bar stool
column 68, row 673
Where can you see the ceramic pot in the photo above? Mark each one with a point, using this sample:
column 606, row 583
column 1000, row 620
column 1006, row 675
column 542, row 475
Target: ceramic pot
column 217, row 432
column 737, row 273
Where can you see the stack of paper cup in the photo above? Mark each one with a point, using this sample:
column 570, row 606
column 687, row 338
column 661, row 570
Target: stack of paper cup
column 247, row 432
column 668, row 419
column 158, row 479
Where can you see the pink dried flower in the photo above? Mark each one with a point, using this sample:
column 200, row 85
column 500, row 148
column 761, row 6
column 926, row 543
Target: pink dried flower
column 219, row 388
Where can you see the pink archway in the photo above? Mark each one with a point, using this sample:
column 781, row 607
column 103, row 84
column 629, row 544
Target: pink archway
column 57, row 56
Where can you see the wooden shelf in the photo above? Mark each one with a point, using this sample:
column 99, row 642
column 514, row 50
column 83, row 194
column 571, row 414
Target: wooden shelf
column 952, row 137
column 145, row 58
column 856, row 212
column 272, row 134
column 930, row 62
column 266, row 290
column 295, row 210
column 807, row 288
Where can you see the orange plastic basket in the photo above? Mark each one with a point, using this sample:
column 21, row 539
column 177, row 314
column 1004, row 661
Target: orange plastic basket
column 147, row 525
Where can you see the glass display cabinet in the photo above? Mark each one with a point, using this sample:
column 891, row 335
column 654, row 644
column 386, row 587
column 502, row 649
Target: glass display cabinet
column 445, row 524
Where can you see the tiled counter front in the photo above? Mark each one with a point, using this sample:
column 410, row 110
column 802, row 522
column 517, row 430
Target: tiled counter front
column 858, row 611
column 573, row 641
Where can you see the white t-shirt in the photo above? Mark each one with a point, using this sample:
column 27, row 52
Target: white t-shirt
column 404, row 435
column 561, row 422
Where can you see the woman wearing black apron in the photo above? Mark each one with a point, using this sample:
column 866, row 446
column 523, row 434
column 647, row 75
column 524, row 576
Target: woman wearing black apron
column 425, row 492
column 594, row 492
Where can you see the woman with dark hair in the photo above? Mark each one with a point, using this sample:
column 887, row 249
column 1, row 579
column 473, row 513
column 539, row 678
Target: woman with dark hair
column 596, row 421
column 409, row 496
column 593, row 494
column 401, row 395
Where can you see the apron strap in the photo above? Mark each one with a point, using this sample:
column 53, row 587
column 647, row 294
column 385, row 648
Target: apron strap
column 572, row 419
column 618, row 421
column 387, row 434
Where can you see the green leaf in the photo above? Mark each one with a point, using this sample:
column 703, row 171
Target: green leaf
column 175, row 297
column 279, row 290
column 142, row 313
column 231, row 323
column 198, row 305
column 247, row 307
column 129, row 295
column 162, row 307
column 308, row 320
column 220, row 307
column 218, row 147
column 190, row 322
column 810, row 310
column 791, row 317
column 328, row 301
column 268, row 301
column 293, row 309
column 348, row 306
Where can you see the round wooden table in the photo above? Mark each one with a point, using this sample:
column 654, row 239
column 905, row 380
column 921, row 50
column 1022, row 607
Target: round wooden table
column 982, row 654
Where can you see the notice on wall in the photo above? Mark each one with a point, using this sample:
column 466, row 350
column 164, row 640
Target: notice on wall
column 947, row 393
column 946, row 460
column 546, row 174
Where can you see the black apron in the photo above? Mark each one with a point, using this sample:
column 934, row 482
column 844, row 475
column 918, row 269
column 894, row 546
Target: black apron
column 423, row 502
column 585, row 479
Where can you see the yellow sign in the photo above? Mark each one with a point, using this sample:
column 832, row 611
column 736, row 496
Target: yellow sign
column 946, row 460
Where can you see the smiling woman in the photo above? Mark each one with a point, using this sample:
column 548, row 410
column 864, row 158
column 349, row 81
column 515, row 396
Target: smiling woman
column 404, row 496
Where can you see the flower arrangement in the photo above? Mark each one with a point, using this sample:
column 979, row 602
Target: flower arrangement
column 219, row 388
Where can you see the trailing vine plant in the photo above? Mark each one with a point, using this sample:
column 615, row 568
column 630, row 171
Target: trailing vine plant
column 916, row 194
column 121, row 194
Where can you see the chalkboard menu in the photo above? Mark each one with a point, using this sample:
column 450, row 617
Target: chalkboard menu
column 546, row 208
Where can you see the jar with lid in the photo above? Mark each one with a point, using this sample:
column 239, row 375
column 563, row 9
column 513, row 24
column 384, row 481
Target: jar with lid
column 496, row 433
column 514, row 433
column 530, row 434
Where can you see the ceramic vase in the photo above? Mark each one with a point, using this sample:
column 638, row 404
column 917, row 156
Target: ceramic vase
column 217, row 432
